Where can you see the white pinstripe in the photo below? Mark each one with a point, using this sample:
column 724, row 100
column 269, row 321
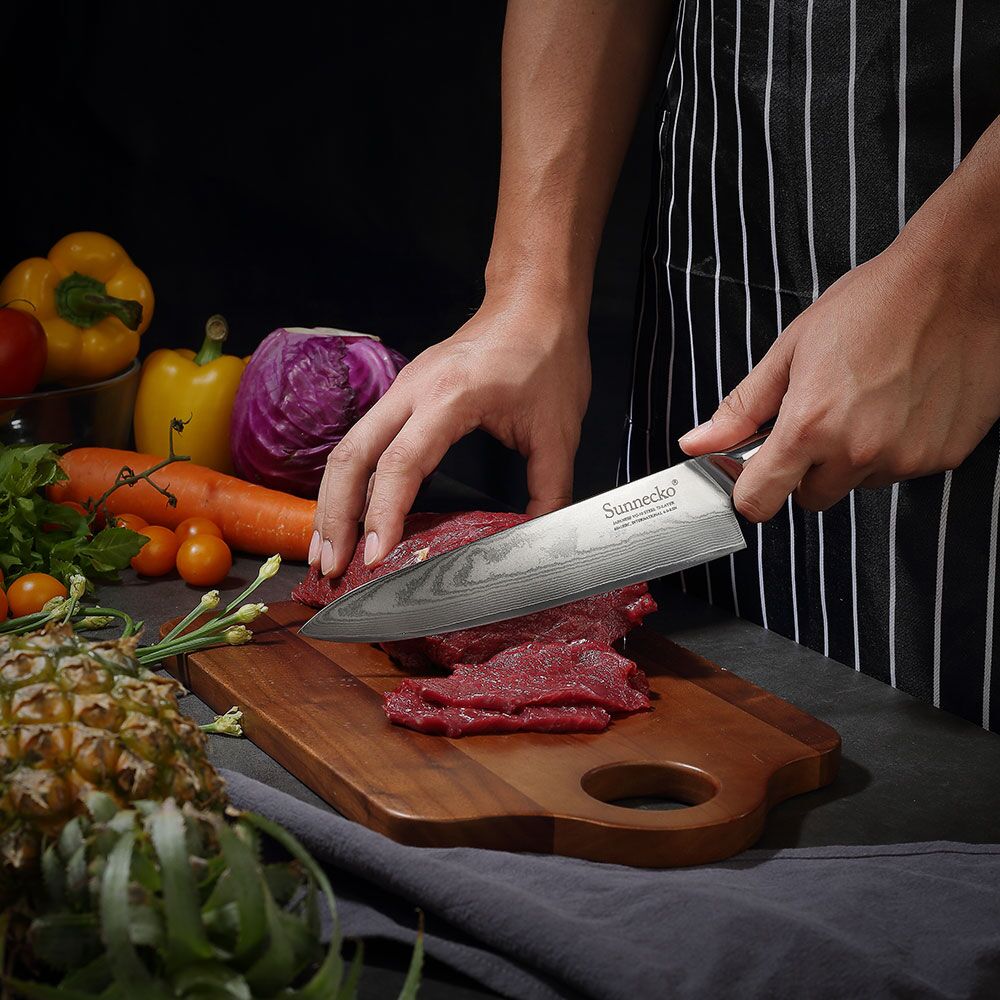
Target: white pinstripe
column 956, row 85
column 893, row 509
column 670, row 232
column 811, row 229
column 635, row 369
column 901, row 211
column 746, row 268
column 690, row 221
column 946, row 485
column 656, row 269
column 718, row 261
column 670, row 214
column 656, row 292
column 642, row 304
column 939, row 584
column 991, row 582
column 777, row 279
column 853, row 211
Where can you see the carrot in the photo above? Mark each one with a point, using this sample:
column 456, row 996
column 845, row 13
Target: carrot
column 252, row 518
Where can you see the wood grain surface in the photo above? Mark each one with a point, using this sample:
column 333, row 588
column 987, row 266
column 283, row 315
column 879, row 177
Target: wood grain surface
column 725, row 747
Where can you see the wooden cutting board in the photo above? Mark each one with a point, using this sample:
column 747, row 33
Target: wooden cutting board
column 712, row 740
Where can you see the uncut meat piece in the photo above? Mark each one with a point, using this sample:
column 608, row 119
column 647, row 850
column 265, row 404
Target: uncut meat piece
column 603, row 619
column 407, row 708
column 540, row 674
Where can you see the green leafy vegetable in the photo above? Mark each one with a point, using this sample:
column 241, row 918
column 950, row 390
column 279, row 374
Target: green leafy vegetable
column 39, row 536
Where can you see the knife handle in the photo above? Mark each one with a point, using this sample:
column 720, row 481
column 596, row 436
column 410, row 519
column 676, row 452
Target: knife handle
column 725, row 466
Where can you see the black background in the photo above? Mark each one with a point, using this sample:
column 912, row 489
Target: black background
column 295, row 165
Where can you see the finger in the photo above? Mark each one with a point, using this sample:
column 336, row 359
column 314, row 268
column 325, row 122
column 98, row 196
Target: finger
column 752, row 403
column 826, row 484
column 341, row 502
column 771, row 475
column 550, row 477
column 413, row 455
column 368, row 492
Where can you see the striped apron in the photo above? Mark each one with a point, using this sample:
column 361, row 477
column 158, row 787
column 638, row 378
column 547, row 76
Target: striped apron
column 795, row 140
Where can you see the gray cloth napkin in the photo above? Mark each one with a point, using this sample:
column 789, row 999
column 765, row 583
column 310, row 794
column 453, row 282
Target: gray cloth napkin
column 910, row 920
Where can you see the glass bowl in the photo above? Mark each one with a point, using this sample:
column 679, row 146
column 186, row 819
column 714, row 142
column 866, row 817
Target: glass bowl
column 99, row 413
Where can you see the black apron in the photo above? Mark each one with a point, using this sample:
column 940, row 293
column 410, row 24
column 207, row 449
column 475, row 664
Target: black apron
column 795, row 140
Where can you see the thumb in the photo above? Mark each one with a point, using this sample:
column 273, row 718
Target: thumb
column 753, row 402
column 550, row 478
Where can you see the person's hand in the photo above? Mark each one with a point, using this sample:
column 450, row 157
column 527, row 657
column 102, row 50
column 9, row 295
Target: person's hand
column 893, row 373
column 519, row 368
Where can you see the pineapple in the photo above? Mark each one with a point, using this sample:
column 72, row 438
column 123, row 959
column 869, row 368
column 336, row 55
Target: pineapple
column 78, row 717
column 161, row 900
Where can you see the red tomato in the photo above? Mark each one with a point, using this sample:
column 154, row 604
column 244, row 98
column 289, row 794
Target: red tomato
column 131, row 521
column 193, row 526
column 23, row 350
column 156, row 557
column 28, row 593
column 3, row 605
column 204, row 560
column 73, row 505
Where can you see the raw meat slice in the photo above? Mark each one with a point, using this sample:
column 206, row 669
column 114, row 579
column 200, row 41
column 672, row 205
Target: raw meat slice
column 603, row 619
column 407, row 708
column 541, row 674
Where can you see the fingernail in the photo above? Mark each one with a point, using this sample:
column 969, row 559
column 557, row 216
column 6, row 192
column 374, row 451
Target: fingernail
column 326, row 558
column 696, row 432
column 314, row 547
column 371, row 548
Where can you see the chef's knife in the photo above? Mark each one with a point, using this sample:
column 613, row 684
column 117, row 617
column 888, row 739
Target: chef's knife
column 670, row 521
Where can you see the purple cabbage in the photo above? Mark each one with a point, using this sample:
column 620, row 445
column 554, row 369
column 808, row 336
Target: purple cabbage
column 301, row 392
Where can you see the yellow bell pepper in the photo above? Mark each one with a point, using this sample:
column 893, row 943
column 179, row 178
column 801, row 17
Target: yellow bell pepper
column 92, row 301
column 200, row 387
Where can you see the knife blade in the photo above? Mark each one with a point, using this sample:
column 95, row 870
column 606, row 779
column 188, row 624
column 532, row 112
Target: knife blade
column 667, row 522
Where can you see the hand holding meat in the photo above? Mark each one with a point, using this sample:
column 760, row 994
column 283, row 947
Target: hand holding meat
column 893, row 373
column 519, row 369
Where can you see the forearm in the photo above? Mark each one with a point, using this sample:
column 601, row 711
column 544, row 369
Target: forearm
column 954, row 238
column 574, row 76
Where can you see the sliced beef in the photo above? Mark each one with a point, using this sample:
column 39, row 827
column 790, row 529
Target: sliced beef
column 552, row 671
column 602, row 619
column 406, row 707
column 540, row 674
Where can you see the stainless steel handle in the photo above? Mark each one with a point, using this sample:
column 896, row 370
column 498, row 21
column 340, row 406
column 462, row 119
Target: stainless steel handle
column 725, row 466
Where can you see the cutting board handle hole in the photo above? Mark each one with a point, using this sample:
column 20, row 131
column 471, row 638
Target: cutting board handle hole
column 660, row 785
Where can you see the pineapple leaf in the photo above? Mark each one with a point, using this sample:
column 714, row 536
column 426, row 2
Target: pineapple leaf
column 248, row 892
column 39, row 991
column 70, row 839
column 411, row 985
column 65, row 940
column 186, row 938
column 282, row 881
column 222, row 921
column 126, row 966
column 146, row 927
column 328, row 977
column 101, row 806
column 210, row 981
column 275, row 968
column 95, row 976
column 54, row 875
column 77, row 878
column 349, row 989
